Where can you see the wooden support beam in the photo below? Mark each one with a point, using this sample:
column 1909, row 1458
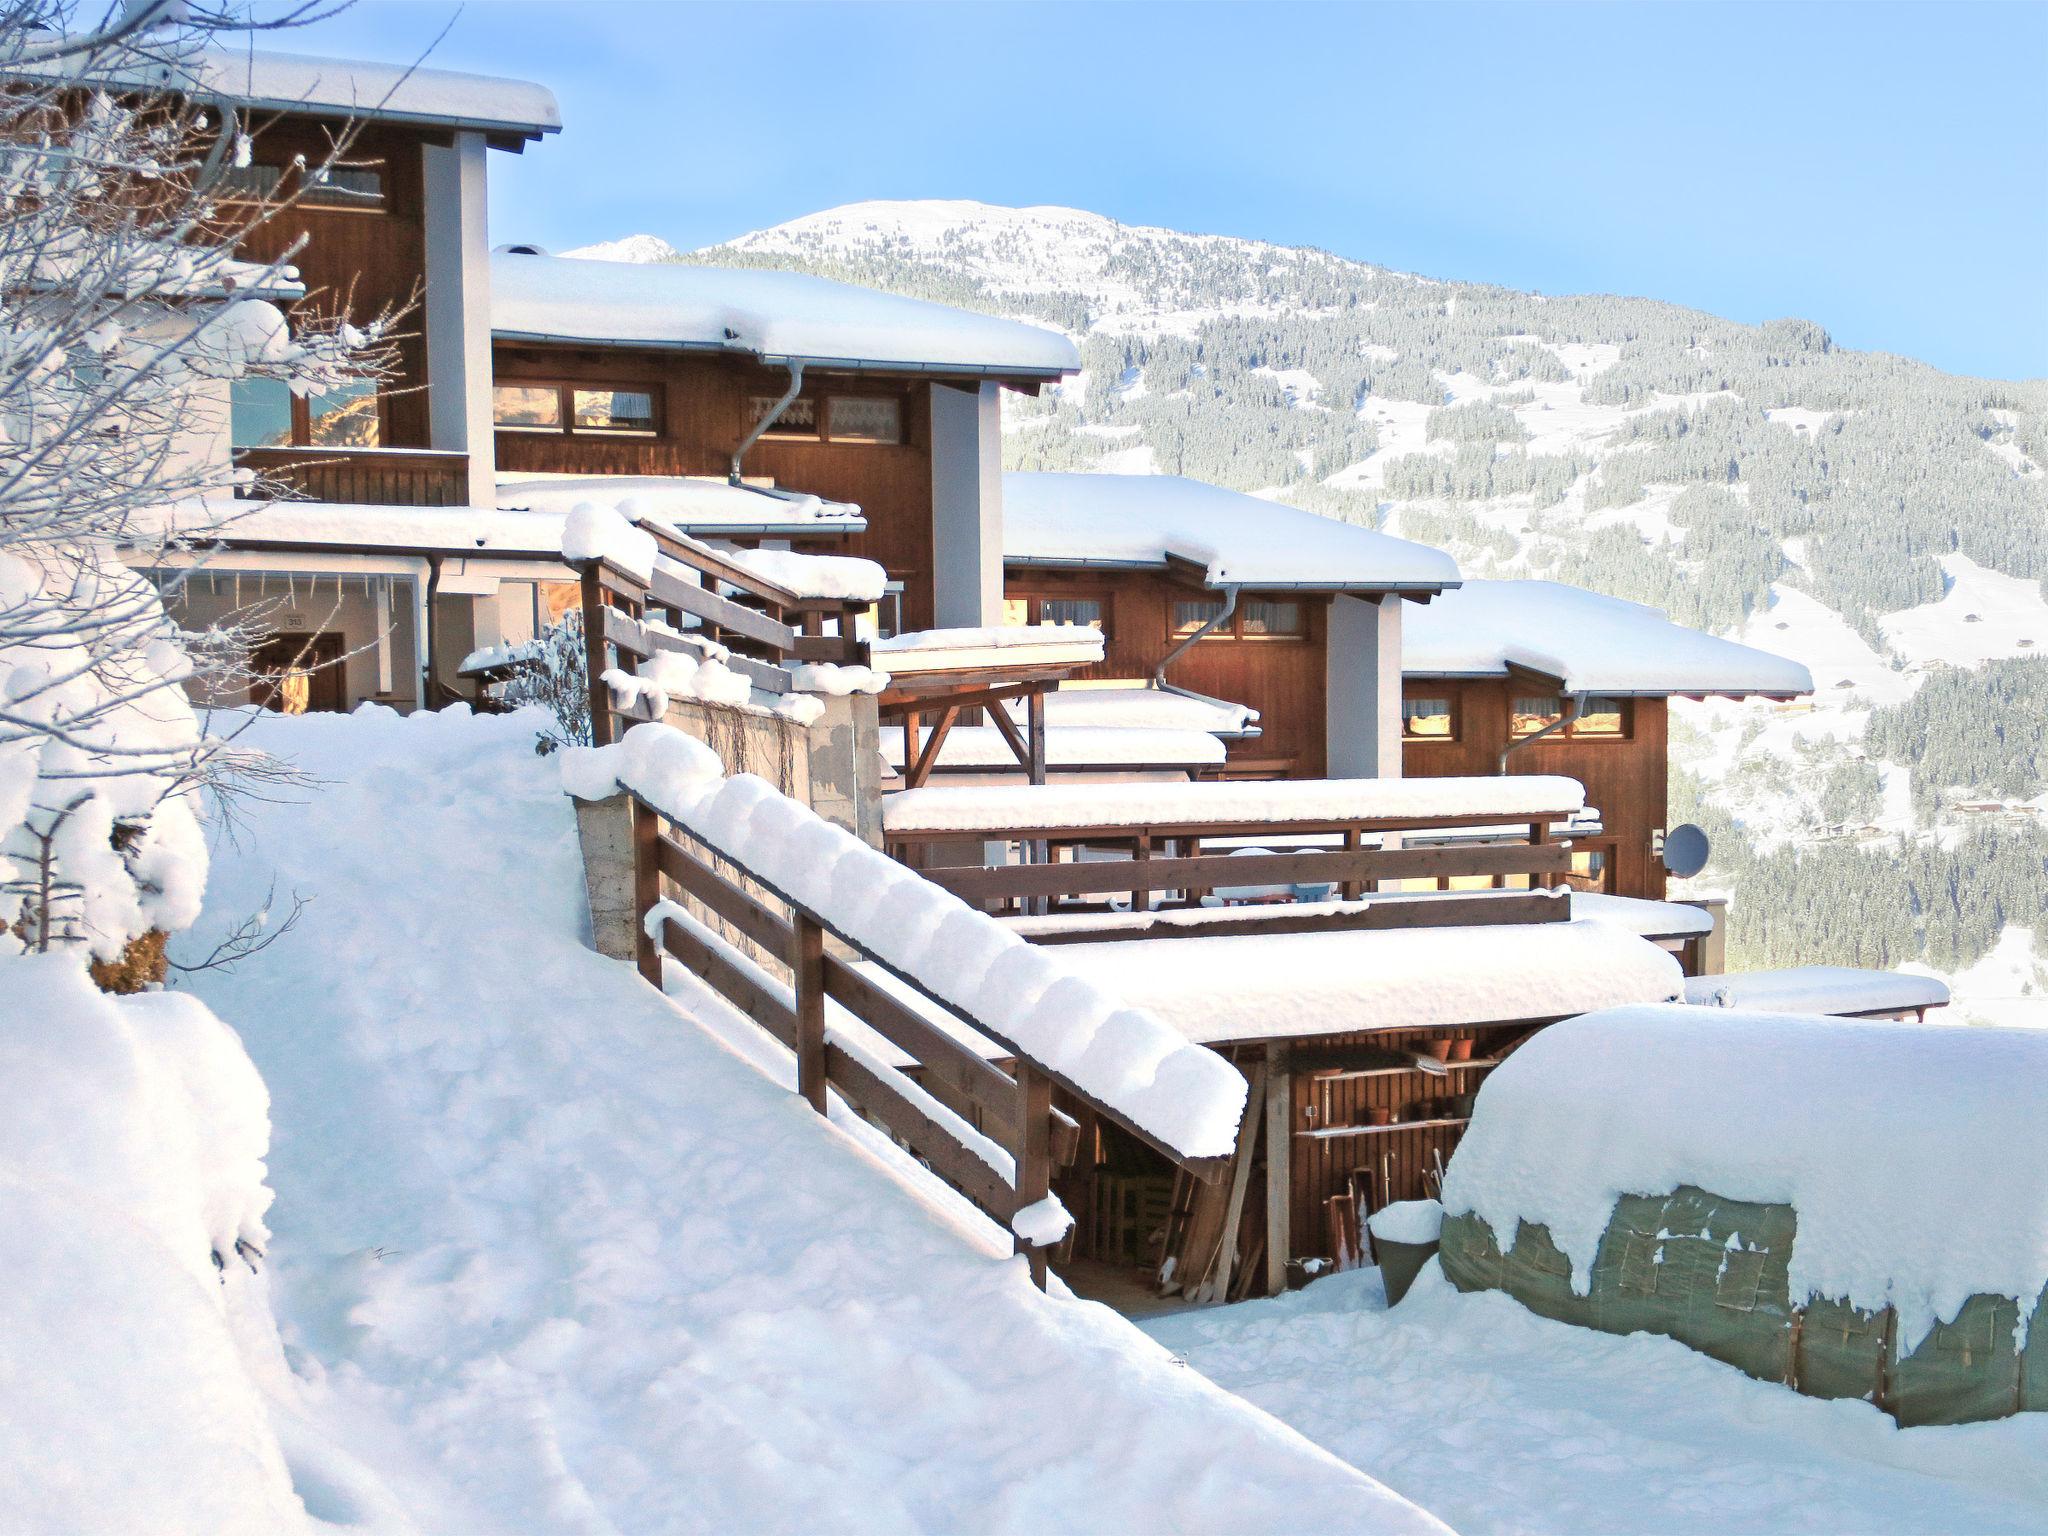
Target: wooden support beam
column 594, row 660
column 1279, row 1172
column 1034, row 724
column 1218, row 1285
column 807, row 975
column 646, row 888
column 1034, row 1153
column 915, row 774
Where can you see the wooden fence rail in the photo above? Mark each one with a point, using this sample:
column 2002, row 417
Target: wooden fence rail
column 1010, row 1105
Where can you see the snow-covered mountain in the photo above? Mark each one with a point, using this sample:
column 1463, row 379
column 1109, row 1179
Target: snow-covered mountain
column 632, row 248
column 1873, row 517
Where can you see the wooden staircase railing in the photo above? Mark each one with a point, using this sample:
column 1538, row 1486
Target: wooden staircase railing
column 989, row 1130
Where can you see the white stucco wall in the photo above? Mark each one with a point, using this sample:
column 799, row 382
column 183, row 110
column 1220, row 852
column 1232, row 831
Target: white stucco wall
column 1364, row 708
column 458, row 309
column 967, row 505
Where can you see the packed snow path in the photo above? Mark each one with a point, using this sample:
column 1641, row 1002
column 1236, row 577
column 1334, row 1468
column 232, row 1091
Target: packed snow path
column 1501, row 1421
column 556, row 1255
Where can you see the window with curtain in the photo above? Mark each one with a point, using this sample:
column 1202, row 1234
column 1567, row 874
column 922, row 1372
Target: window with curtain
column 1427, row 720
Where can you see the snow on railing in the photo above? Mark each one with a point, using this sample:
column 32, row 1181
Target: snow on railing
column 966, row 976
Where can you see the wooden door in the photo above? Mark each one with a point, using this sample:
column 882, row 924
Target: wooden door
column 297, row 674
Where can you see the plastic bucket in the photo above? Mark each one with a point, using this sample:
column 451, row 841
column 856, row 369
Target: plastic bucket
column 1400, row 1263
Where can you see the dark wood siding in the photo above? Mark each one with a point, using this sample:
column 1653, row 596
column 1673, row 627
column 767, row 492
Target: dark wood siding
column 1628, row 779
column 706, row 411
column 357, row 261
column 1283, row 679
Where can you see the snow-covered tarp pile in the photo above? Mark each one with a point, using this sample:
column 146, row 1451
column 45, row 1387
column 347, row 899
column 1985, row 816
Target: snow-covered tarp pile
column 1833, row 989
column 1588, row 641
column 1307, row 802
column 138, row 1352
column 1276, row 986
column 557, row 1253
column 1915, row 1156
column 1238, row 540
column 1026, row 996
column 686, row 503
column 776, row 316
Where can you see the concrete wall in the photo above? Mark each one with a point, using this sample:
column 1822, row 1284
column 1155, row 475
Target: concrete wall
column 967, row 506
column 373, row 614
column 1364, row 708
column 458, row 309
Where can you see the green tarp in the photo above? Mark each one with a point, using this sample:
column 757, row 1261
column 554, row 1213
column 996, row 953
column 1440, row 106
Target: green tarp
column 1713, row 1273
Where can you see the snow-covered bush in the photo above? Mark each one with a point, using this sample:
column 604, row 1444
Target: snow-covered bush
column 554, row 673
column 124, row 314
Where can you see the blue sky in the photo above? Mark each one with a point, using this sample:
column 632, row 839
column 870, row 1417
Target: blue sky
column 1882, row 169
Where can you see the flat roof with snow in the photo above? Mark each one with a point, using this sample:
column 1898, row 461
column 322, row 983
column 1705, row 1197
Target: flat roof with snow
column 686, row 503
column 1586, row 641
column 1276, row 986
column 509, row 112
column 344, row 528
column 1844, row 990
column 778, row 317
column 1151, row 521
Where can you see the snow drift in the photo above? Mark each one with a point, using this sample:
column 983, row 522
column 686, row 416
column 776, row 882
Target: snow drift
column 557, row 1253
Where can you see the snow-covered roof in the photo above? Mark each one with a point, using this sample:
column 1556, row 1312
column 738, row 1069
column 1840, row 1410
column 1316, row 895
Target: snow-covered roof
column 1071, row 747
column 342, row 527
column 1829, row 989
column 1589, row 642
column 1915, row 1155
column 1014, row 645
column 687, row 503
column 1269, row 986
column 1139, row 707
column 844, row 578
column 1308, row 802
column 508, row 110
column 775, row 316
column 1142, row 521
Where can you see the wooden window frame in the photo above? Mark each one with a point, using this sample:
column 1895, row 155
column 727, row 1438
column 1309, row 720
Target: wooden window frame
column 566, row 391
column 1571, row 732
column 1234, row 630
column 758, row 406
column 295, row 186
column 302, row 428
column 831, row 403
column 1451, row 697
column 1035, row 601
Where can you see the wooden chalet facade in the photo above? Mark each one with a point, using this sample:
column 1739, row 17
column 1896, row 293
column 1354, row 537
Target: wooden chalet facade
column 689, row 411
column 1271, row 654
column 1617, row 748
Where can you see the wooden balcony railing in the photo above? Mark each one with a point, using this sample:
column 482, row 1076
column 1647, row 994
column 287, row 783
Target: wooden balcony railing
column 374, row 477
column 763, row 626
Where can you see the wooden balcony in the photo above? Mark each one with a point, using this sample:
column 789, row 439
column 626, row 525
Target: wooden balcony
column 376, row 477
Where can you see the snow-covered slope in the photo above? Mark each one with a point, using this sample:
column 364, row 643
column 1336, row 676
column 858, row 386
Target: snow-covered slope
column 556, row 1254
column 1861, row 514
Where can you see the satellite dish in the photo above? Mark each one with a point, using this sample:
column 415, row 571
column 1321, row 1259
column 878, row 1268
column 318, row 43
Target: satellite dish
column 1685, row 851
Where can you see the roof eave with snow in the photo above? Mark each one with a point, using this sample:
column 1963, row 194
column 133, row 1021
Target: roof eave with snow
column 510, row 113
